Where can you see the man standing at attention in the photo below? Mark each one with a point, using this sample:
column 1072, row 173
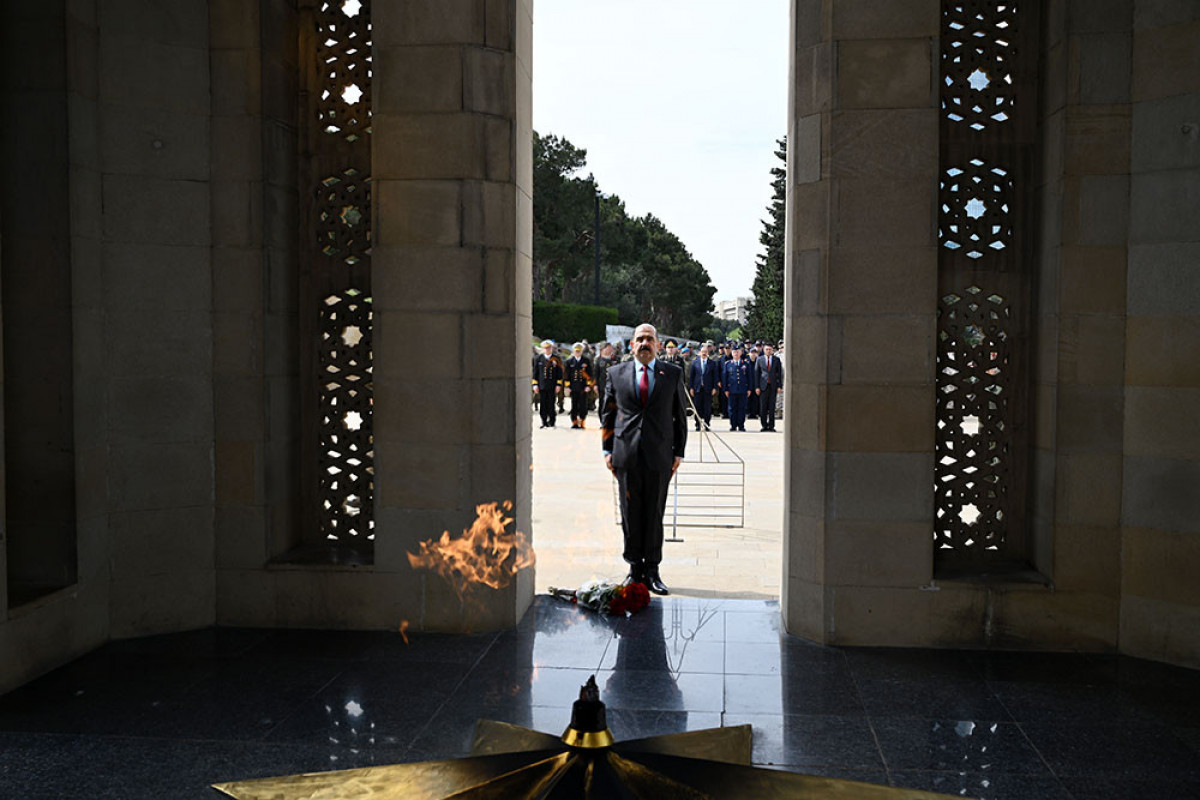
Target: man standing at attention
column 644, row 432
column 703, row 383
column 736, row 382
column 548, row 372
column 768, row 380
column 579, row 381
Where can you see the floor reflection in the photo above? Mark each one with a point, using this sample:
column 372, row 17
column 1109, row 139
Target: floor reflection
column 167, row 716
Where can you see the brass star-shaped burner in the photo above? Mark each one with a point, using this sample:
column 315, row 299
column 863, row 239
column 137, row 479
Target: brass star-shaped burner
column 509, row 762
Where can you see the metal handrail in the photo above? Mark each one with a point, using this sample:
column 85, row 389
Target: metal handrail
column 717, row 461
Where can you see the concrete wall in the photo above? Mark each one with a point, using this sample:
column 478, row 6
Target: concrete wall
column 1160, row 504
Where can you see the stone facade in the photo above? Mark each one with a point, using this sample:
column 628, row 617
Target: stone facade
column 1111, row 516
column 152, row 204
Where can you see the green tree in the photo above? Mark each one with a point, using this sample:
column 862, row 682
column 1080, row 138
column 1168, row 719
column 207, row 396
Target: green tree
column 562, row 217
column 765, row 314
column 647, row 273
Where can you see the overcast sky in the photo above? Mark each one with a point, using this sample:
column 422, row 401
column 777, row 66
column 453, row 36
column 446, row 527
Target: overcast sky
column 678, row 104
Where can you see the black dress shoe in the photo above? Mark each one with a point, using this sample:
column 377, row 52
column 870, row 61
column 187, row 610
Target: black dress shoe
column 637, row 574
column 654, row 582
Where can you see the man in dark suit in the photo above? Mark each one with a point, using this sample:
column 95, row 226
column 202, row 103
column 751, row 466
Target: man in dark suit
column 768, row 374
column 702, row 384
column 644, row 433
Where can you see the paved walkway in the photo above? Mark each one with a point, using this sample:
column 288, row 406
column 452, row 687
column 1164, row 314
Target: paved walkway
column 577, row 536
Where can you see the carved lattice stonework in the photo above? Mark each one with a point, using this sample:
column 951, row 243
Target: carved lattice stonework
column 973, row 469
column 344, row 216
column 336, row 287
column 344, row 65
column 347, row 449
column 976, row 208
column 978, row 50
column 987, row 148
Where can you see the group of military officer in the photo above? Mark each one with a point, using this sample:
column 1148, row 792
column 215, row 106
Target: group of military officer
column 728, row 378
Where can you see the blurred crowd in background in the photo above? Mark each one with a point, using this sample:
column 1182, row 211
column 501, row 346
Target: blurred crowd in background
column 730, row 380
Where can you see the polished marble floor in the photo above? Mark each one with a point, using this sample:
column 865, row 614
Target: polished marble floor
column 164, row 717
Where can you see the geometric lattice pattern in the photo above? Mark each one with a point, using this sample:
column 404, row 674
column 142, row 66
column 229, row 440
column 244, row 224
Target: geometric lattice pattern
column 341, row 229
column 344, row 61
column 974, row 426
column 344, row 216
column 978, row 50
column 987, row 86
column 347, row 448
column 975, row 208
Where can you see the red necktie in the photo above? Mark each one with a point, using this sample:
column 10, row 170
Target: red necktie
column 644, row 386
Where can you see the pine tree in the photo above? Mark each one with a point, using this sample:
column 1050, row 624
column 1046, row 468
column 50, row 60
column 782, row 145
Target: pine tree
column 765, row 316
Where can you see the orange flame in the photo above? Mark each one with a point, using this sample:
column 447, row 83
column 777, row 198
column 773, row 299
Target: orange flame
column 485, row 554
column 404, row 630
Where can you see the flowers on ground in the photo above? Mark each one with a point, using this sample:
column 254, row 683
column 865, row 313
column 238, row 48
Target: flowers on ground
column 607, row 596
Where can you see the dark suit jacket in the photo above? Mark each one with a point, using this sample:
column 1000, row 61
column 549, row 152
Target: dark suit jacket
column 658, row 429
column 706, row 382
column 772, row 381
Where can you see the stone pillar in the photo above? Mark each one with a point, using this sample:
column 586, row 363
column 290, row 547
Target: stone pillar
column 154, row 147
column 1079, row 327
column 1160, row 504
column 861, row 302
column 241, row 228
column 50, row 218
column 451, row 186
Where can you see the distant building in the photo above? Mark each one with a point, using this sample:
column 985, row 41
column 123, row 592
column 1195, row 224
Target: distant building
column 735, row 310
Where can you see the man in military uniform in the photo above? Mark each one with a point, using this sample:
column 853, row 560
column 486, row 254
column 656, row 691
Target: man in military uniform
column 752, row 403
column 579, row 381
column 672, row 355
column 548, row 372
column 736, row 376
